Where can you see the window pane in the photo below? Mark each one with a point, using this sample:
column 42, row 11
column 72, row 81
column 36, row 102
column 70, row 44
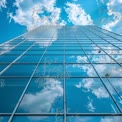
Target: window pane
column 53, row 59
column 38, row 119
column 82, row 70
column 100, row 59
column 44, row 95
column 19, row 70
column 4, row 118
column 10, row 92
column 95, row 119
column 76, row 59
column 49, row 70
column 88, row 95
column 114, row 70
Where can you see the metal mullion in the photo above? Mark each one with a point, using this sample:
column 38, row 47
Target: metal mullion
column 54, row 77
column 22, row 95
column 105, row 39
column 65, row 111
column 29, row 63
column 61, row 114
column 103, row 82
column 15, row 60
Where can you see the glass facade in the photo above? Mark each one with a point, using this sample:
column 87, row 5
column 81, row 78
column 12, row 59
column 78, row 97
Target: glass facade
column 62, row 74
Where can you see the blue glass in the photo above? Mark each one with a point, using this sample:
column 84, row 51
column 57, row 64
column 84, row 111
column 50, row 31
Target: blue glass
column 94, row 119
column 118, row 58
column 50, row 70
column 114, row 85
column 100, row 59
column 38, row 119
column 30, row 58
column 8, row 58
column 53, row 59
column 34, row 52
column 112, row 69
column 2, row 66
column 4, row 118
column 74, row 52
column 88, row 95
column 10, row 92
column 19, row 70
column 76, row 59
column 84, row 70
column 44, row 95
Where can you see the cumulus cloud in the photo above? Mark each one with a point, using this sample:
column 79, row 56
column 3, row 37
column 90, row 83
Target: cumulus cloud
column 42, row 101
column 91, row 85
column 77, row 15
column 33, row 13
column 3, row 4
column 114, row 10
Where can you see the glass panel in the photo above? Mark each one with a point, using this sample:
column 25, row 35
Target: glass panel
column 114, row 70
column 88, row 96
column 100, row 59
column 2, row 66
column 53, row 59
column 74, row 52
column 76, row 59
column 115, row 87
column 30, row 58
column 10, row 92
column 118, row 58
column 95, row 119
column 50, row 70
column 83, row 70
column 7, row 58
column 44, row 95
column 4, row 118
column 38, row 119
column 19, row 70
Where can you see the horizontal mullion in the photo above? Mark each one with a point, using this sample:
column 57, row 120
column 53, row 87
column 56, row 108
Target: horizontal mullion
column 28, row 63
column 62, row 114
column 55, row 77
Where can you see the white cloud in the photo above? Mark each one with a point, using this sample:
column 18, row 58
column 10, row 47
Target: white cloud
column 42, row 101
column 111, row 119
column 91, row 85
column 100, row 92
column 77, row 15
column 90, row 106
column 3, row 4
column 81, row 59
column 31, row 13
column 114, row 9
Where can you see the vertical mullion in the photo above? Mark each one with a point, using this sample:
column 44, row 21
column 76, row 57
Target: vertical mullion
column 64, row 78
column 101, row 79
column 25, row 89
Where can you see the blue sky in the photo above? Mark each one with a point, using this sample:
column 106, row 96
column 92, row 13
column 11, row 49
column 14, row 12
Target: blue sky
column 19, row 16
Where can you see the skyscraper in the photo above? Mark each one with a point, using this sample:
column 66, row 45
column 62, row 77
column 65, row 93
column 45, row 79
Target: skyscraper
column 62, row 74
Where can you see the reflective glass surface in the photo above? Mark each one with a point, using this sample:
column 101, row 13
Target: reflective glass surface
column 62, row 74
